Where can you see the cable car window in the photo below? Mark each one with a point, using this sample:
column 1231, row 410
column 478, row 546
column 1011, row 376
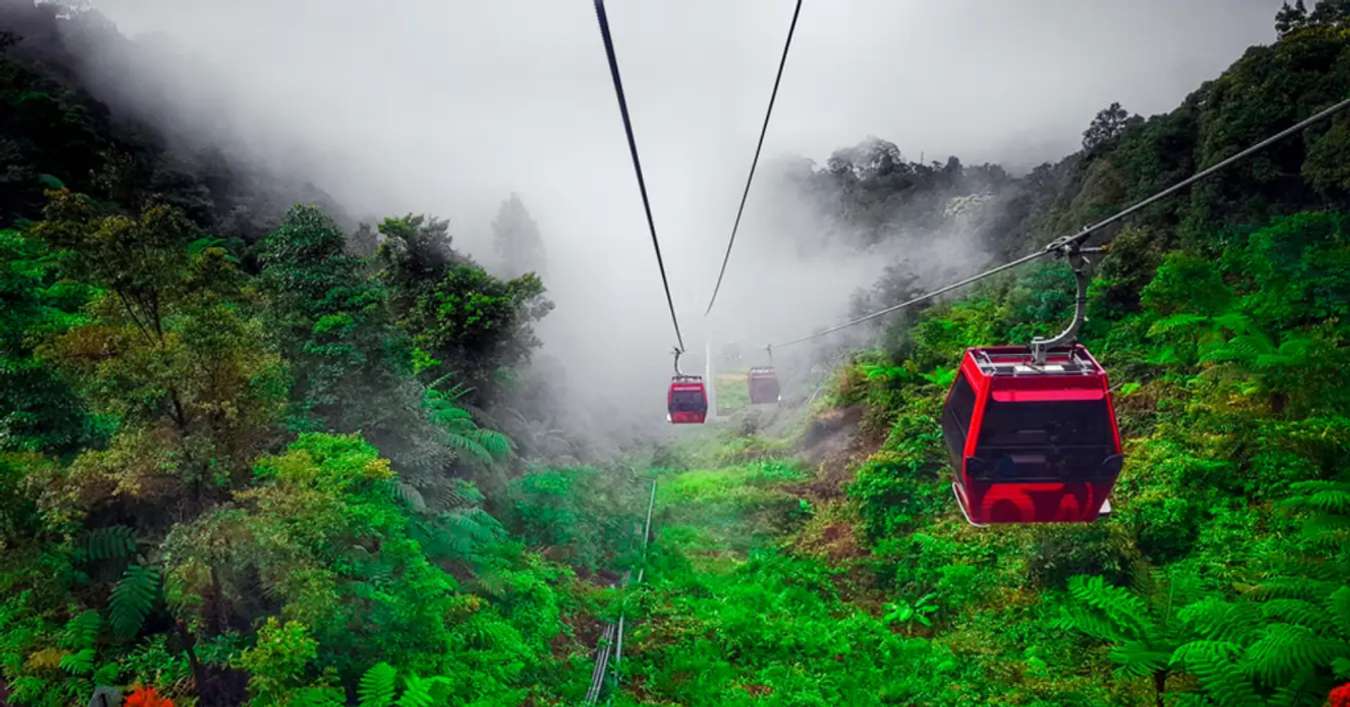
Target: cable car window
column 1067, row 423
column 688, row 401
column 956, row 419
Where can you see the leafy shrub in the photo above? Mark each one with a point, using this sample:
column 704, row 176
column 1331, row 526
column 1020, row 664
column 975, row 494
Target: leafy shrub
column 1063, row 552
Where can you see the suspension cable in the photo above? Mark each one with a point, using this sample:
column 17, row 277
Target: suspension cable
column 753, row 163
column 1059, row 244
column 920, row 298
column 637, row 164
column 1083, row 235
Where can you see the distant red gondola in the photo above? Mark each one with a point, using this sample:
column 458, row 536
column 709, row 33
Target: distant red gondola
column 687, row 400
column 763, row 381
column 1031, row 443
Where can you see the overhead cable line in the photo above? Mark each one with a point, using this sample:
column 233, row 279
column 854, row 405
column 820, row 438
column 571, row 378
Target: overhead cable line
column 916, row 300
column 637, row 164
column 1064, row 243
column 753, row 163
column 1083, row 235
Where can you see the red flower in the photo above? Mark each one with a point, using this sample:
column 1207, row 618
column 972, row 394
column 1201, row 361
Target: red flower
column 146, row 697
column 1340, row 697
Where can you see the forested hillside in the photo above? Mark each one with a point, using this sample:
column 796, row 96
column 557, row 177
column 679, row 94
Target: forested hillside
column 246, row 453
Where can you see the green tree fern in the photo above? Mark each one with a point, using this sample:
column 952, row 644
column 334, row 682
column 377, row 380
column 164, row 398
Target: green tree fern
column 132, row 599
column 378, row 685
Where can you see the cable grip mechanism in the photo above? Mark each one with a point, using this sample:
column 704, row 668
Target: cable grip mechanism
column 1076, row 255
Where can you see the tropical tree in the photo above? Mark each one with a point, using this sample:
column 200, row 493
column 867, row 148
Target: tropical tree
column 470, row 324
column 1143, row 627
column 1107, row 127
column 331, row 322
column 515, row 236
column 172, row 350
column 39, row 412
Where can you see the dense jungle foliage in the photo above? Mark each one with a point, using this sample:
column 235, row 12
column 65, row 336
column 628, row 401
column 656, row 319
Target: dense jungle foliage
column 244, row 458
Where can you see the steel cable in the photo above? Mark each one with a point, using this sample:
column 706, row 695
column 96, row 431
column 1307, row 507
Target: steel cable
column 603, row 19
column 753, row 163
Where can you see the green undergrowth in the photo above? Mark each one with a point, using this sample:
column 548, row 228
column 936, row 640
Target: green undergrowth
column 727, row 509
column 730, row 615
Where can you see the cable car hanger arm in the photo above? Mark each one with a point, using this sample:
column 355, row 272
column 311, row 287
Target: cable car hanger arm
column 1041, row 347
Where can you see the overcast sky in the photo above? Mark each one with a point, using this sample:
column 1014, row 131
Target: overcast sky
column 447, row 106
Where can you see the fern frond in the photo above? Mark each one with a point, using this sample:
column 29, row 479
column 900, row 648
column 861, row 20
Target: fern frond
column 1325, row 527
column 1252, row 344
column 1089, row 623
column 1293, row 588
column 1181, row 588
column 446, row 413
column 312, row 696
column 132, row 599
column 495, row 443
column 1236, row 322
column 416, row 692
column 466, row 443
column 1300, row 692
column 1120, row 606
column 81, row 630
column 464, row 493
column 27, row 689
column 1286, row 649
column 1214, row 666
column 1171, row 323
column 1324, row 496
column 1297, row 612
column 1218, row 620
column 1295, row 348
column 1139, row 658
column 1338, row 606
column 377, row 686
column 464, row 531
column 410, row 496
column 80, row 662
column 114, row 542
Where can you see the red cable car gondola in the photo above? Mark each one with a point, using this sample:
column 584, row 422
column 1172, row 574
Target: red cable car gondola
column 1031, row 430
column 687, row 400
column 763, row 381
column 1031, row 443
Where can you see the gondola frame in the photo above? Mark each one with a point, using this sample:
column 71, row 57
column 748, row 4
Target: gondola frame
column 985, row 490
column 762, row 385
column 685, row 384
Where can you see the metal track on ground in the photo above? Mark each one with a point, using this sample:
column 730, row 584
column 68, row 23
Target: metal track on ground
column 610, row 643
